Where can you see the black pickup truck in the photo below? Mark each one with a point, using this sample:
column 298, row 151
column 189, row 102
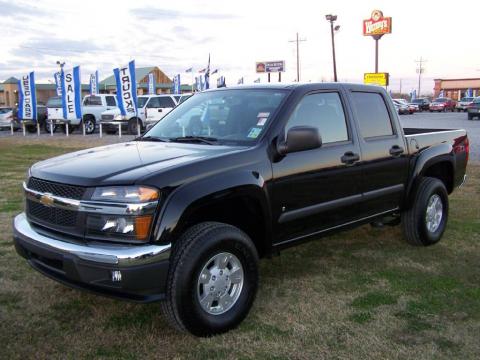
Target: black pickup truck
column 183, row 213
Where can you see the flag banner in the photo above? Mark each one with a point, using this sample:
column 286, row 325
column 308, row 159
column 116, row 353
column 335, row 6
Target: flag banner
column 189, row 70
column 71, row 94
column 94, row 89
column 214, row 71
column 27, row 100
column 126, row 89
column 176, row 84
column 221, row 82
column 469, row 93
column 207, row 75
column 197, row 83
column 202, row 71
column 151, row 84
column 240, row 81
column 58, row 83
column 202, row 83
column 441, row 94
column 257, row 81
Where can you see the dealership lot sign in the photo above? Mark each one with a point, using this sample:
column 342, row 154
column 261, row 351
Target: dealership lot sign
column 380, row 79
column 27, row 104
column 377, row 24
column 126, row 89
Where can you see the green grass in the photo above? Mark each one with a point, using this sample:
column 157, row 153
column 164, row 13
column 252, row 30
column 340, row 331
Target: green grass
column 355, row 295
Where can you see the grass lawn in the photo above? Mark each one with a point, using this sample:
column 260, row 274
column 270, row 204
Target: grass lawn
column 361, row 294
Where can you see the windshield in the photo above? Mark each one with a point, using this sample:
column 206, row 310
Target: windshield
column 417, row 101
column 237, row 116
column 141, row 101
column 440, row 100
column 54, row 102
column 5, row 110
column 467, row 99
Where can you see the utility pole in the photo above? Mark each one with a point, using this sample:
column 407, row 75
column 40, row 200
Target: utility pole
column 298, row 40
column 332, row 18
column 420, row 71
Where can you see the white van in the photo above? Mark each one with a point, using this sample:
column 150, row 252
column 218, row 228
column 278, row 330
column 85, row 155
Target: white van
column 151, row 108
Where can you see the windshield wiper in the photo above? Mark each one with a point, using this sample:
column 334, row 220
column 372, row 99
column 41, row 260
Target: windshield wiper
column 203, row 139
column 150, row 138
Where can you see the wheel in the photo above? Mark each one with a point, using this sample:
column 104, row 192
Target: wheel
column 70, row 128
column 31, row 128
column 89, row 122
column 132, row 126
column 47, row 125
column 212, row 279
column 425, row 221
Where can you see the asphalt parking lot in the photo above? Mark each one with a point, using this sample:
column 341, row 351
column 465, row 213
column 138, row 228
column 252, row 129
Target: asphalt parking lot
column 422, row 120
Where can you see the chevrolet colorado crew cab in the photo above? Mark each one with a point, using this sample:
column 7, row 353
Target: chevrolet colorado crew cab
column 183, row 213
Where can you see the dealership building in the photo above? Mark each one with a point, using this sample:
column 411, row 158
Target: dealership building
column 456, row 88
column 9, row 88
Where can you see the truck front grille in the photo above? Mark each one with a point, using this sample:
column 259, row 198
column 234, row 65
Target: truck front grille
column 107, row 117
column 51, row 215
column 62, row 190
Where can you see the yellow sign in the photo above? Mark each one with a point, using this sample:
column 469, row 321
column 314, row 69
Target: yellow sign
column 380, row 79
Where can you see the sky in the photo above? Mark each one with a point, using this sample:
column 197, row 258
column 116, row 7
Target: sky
column 177, row 35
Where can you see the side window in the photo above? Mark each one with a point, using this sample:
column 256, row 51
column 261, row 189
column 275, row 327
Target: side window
column 93, row 101
column 372, row 114
column 153, row 103
column 177, row 98
column 323, row 111
column 166, row 102
column 111, row 101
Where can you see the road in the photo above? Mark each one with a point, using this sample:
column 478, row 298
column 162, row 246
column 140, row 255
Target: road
column 420, row 120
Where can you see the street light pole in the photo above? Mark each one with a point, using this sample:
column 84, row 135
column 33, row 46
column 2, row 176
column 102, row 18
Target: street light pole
column 332, row 19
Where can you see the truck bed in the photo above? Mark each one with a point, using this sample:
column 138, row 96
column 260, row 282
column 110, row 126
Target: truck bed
column 419, row 138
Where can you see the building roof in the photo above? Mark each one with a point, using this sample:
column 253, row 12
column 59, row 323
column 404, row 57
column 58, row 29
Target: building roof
column 140, row 73
column 11, row 80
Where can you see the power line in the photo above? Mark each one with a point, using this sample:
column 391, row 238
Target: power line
column 297, row 40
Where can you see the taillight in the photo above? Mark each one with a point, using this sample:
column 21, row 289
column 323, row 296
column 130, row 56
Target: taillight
column 466, row 144
column 461, row 145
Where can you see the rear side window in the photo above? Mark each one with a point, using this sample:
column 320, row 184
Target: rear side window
column 323, row 111
column 166, row 102
column 372, row 114
column 93, row 101
column 111, row 101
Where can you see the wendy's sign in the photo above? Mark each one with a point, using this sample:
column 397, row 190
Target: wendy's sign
column 377, row 25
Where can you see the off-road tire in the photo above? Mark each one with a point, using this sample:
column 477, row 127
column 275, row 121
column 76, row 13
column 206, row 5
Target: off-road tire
column 414, row 222
column 190, row 253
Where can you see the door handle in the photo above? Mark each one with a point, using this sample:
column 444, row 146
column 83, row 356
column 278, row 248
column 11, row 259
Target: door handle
column 159, row 110
column 396, row 150
column 349, row 157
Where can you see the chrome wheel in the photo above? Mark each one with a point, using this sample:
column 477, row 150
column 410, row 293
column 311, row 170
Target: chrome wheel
column 434, row 213
column 89, row 126
column 220, row 283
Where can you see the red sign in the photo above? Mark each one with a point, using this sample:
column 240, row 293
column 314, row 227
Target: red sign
column 377, row 24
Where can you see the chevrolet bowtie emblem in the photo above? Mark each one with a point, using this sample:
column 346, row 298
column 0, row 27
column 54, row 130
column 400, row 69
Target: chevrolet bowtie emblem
column 47, row 200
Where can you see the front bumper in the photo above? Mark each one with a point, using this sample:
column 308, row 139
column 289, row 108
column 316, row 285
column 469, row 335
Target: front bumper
column 89, row 266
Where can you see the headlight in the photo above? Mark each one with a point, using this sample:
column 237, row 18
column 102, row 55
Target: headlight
column 119, row 117
column 126, row 194
column 123, row 226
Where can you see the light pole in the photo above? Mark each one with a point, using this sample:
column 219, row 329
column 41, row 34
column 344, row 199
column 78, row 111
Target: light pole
column 332, row 19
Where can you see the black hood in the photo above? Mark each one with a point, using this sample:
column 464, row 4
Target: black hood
column 121, row 163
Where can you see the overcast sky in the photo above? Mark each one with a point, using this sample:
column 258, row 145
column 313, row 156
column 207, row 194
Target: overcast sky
column 176, row 35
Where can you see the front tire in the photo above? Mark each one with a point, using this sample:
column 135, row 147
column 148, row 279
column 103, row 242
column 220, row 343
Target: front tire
column 212, row 279
column 132, row 126
column 89, row 123
column 425, row 221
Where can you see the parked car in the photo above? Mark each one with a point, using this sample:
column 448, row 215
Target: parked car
column 151, row 108
column 92, row 108
column 401, row 107
column 183, row 213
column 411, row 107
column 474, row 109
column 29, row 125
column 464, row 103
column 6, row 119
column 423, row 104
column 442, row 104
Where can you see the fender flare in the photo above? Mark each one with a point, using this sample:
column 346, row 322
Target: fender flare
column 185, row 199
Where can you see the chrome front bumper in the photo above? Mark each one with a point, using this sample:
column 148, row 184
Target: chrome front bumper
column 116, row 255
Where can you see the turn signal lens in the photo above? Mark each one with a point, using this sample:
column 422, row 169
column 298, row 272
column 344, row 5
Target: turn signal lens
column 142, row 227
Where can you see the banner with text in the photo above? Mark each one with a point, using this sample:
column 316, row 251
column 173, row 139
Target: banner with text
column 27, row 102
column 126, row 89
column 151, row 84
column 58, row 83
column 94, row 89
column 176, row 84
column 71, row 94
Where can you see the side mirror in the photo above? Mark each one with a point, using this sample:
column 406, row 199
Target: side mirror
column 300, row 138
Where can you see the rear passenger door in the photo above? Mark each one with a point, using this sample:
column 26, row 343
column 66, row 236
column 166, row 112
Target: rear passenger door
column 166, row 105
column 384, row 155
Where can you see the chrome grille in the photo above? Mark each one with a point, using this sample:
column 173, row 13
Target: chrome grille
column 63, row 190
column 107, row 117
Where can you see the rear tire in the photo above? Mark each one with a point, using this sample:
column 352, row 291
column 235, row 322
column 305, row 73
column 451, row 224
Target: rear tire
column 31, row 128
column 70, row 128
column 425, row 221
column 46, row 126
column 196, row 300
column 89, row 122
column 132, row 126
